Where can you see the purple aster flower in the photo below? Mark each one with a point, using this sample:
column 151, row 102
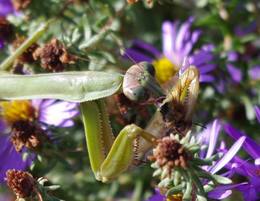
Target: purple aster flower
column 178, row 42
column 209, row 138
column 6, row 7
column 250, row 189
column 44, row 112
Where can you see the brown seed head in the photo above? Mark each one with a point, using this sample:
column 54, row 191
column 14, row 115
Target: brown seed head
column 21, row 4
column 170, row 153
column 54, row 56
column 28, row 134
column 20, row 182
column 6, row 30
column 27, row 56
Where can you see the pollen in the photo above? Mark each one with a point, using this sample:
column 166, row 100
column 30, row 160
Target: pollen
column 15, row 111
column 164, row 69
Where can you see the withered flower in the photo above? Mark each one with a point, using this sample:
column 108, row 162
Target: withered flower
column 27, row 134
column 54, row 56
column 169, row 153
column 21, row 183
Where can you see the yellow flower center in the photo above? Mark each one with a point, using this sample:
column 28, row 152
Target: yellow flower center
column 175, row 197
column 164, row 69
column 14, row 111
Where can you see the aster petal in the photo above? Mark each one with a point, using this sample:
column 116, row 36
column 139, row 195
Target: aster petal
column 201, row 57
column 254, row 73
column 206, row 78
column 57, row 113
column 250, row 192
column 234, row 72
column 249, row 145
column 222, row 192
column 257, row 113
column 168, row 36
column 229, row 155
column 10, row 159
column 137, row 56
column 205, row 68
column 195, row 36
column 147, row 47
column 156, row 197
column 182, row 33
column 232, row 56
column 6, row 7
column 213, row 136
column 242, row 167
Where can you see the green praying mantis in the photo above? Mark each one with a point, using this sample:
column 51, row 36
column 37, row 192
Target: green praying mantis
column 110, row 156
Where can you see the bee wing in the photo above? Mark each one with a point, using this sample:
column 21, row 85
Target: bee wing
column 192, row 91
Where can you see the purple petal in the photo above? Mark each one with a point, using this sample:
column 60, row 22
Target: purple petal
column 232, row 56
column 206, row 78
column 242, row 167
column 147, row 47
column 168, row 37
column 257, row 112
column 250, row 191
column 137, row 56
column 182, row 33
column 201, row 57
column 222, row 192
column 234, row 72
column 249, row 145
column 57, row 113
column 228, row 156
column 213, row 136
column 206, row 68
column 254, row 73
column 10, row 159
column 156, row 197
column 195, row 36
column 6, row 7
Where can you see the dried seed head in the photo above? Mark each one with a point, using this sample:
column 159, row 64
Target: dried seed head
column 21, row 183
column 28, row 134
column 169, row 153
column 27, row 56
column 21, row 4
column 54, row 56
column 6, row 30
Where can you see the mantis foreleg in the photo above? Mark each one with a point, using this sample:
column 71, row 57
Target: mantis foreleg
column 108, row 165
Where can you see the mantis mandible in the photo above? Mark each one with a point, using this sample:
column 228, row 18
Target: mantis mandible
column 109, row 157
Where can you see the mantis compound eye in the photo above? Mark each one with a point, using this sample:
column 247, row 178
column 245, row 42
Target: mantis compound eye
column 139, row 82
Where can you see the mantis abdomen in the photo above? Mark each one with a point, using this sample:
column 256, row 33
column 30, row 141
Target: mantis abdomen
column 68, row 86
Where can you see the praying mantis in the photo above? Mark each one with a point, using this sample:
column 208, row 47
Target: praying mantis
column 110, row 156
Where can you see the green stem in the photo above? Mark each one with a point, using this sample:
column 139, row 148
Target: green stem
column 6, row 64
